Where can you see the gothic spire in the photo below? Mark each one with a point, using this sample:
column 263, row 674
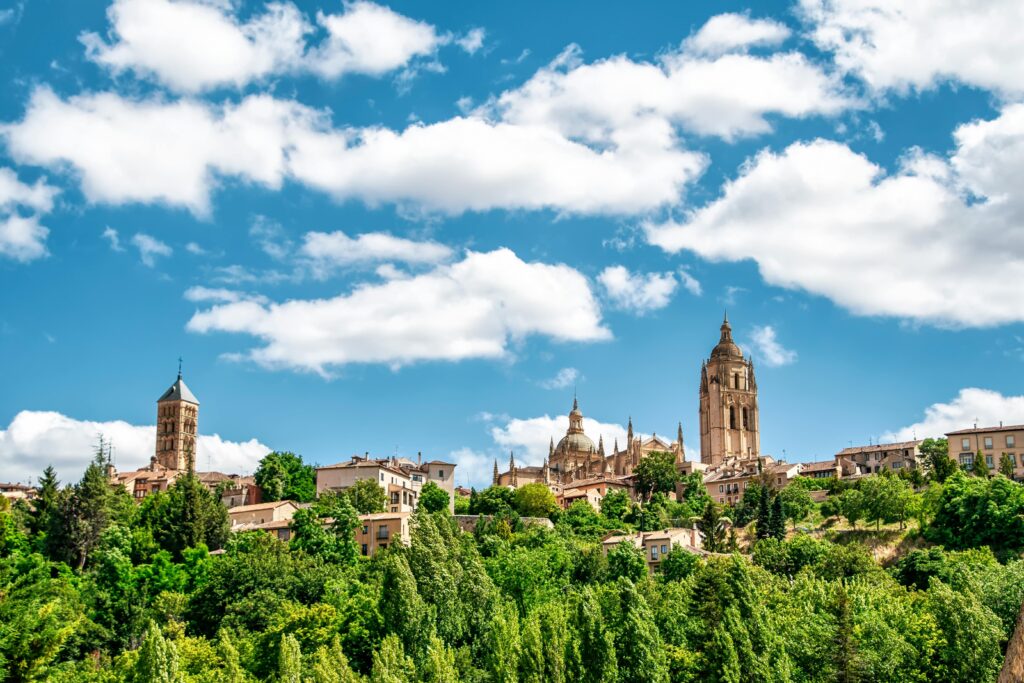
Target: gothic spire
column 600, row 445
column 494, row 480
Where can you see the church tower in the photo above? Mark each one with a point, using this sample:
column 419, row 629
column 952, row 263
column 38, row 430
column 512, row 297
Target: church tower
column 177, row 415
column 729, row 421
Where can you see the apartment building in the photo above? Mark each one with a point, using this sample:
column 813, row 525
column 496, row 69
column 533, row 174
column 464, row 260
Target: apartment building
column 991, row 442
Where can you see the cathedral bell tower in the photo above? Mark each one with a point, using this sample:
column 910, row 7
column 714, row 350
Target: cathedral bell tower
column 177, row 417
column 729, row 421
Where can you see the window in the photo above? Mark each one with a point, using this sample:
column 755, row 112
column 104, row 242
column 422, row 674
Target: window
column 664, row 549
column 745, row 419
column 732, row 417
column 440, row 474
column 1010, row 441
column 988, row 442
column 364, row 549
column 366, row 529
column 735, row 380
column 654, row 552
column 966, row 459
column 965, row 444
column 721, row 488
column 988, row 461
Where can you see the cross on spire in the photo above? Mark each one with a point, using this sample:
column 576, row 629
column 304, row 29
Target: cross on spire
column 179, row 367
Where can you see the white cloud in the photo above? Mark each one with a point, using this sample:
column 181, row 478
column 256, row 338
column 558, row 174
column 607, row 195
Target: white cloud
column 35, row 439
column 566, row 377
column 621, row 101
column 474, row 468
column 691, row 283
column 111, row 236
column 150, row 248
column 983, row 407
column 194, row 248
column 920, row 44
column 329, row 250
column 768, row 349
column 370, row 39
column 473, row 40
column 638, row 293
column 470, row 309
column 530, row 437
column 154, row 151
column 171, row 42
column 220, row 295
column 727, row 32
column 941, row 240
column 22, row 239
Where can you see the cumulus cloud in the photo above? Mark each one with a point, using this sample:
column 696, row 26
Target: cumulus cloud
column 22, row 237
column 170, row 42
column 691, row 283
column 473, row 40
column 919, row 45
column 971, row 406
column 768, row 349
column 150, row 248
column 35, row 439
column 153, row 151
column 220, row 295
column 530, row 437
column 921, row 243
column 469, row 309
column 727, row 32
column 638, row 293
column 566, row 377
column 112, row 238
column 327, row 251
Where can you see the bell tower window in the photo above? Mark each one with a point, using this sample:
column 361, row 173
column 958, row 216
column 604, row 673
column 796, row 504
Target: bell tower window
column 732, row 417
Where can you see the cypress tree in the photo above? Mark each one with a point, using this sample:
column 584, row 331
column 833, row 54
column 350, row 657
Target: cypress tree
column 777, row 524
column 844, row 652
column 590, row 649
column 158, row 658
column 233, row 672
column 390, row 665
column 439, row 666
column 979, row 467
column 641, row 651
column 764, row 515
column 289, row 661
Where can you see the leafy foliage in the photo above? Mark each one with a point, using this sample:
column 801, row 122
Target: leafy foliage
column 284, row 476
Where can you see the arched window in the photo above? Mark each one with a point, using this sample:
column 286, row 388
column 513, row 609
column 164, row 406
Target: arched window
column 732, row 417
column 735, row 380
column 745, row 423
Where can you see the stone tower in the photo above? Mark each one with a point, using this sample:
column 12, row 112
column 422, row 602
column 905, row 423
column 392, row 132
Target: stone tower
column 177, row 416
column 729, row 421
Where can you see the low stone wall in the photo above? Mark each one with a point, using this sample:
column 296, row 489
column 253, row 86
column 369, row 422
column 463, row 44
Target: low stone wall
column 468, row 522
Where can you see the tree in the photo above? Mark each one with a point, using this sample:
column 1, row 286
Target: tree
column 763, row 526
column 656, row 473
column 462, row 505
column 615, row 505
column 502, row 644
column 1007, row 466
column 367, row 496
column 433, row 498
column 796, row 503
column 777, row 525
column 330, row 665
column 626, row 560
column 86, row 512
column 678, row 564
column 852, row 505
column 844, row 651
column 641, row 652
column 713, row 525
column 44, row 520
column 936, row 459
column 158, row 658
column 185, row 516
column 979, row 467
column 289, row 660
column 491, row 501
column 390, row 663
column 283, row 476
column 535, row 500
column 590, row 652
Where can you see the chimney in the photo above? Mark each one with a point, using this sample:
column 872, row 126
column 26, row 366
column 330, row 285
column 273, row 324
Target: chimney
column 419, row 458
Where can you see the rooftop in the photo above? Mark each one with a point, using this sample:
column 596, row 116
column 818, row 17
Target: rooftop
column 977, row 430
column 898, row 446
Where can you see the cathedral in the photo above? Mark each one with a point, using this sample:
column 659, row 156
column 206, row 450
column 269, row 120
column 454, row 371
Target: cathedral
column 729, row 432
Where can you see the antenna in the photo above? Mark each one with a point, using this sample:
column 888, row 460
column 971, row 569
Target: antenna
column 179, row 367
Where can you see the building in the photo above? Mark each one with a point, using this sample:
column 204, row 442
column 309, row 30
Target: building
column 991, row 442
column 821, row 469
column 656, row 544
column 593, row 490
column 575, row 458
column 249, row 516
column 729, row 421
column 401, row 478
column 13, row 492
column 874, row 458
column 727, row 482
column 378, row 531
column 177, row 420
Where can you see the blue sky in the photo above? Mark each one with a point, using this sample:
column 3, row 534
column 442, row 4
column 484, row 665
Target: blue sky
column 417, row 227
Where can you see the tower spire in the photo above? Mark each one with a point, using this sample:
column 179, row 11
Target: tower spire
column 179, row 367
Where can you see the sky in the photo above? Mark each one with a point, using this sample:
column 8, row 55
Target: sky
column 422, row 227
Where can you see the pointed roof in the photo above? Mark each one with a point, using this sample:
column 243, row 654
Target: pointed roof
column 178, row 392
column 726, row 347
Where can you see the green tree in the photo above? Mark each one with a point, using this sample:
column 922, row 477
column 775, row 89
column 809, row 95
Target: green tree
column 44, row 520
column 615, row 505
column 367, row 496
column 535, row 500
column 491, row 501
column 1007, row 466
column 763, row 525
column 678, row 564
column 158, row 658
column 87, row 512
column 628, row 561
column 641, row 652
column 402, row 607
column 777, row 525
column 232, row 671
column 185, row 516
column 390, row 663
column 844, row 650
column 979, row 467
column 439, row 666
column 972, row 634
column 330, row 665
column 714, row 527
column 501, row 645
column 590, row 651
column 936, row 459
column 281, row 475
column 852, row 505
column 327, row 529
column 796, row 503
column 289, row 660
column 433, row 498
column 656, row 473
column 462, row 505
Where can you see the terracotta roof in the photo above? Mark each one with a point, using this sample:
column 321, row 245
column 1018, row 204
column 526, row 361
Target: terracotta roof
column 260, row 506
column 819, row 466
column 878, row 447
column 1001, row 428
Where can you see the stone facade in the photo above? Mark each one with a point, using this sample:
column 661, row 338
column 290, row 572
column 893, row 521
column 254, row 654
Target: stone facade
column 177, row 419
column 875, row 458
column 729, row 420
column 656, row 544
column 401, row 478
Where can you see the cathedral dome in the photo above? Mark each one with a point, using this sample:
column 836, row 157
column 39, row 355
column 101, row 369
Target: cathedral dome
column 576, row 441
column 726, row 347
